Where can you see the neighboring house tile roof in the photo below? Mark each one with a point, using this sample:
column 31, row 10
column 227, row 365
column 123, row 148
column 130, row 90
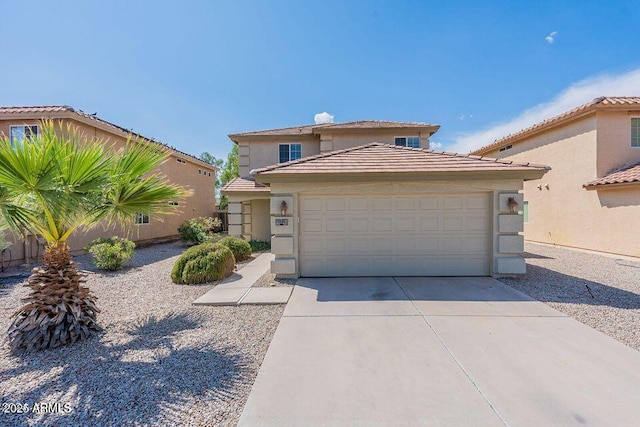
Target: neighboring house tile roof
column 47, row 109
column 604, row 102
column 244, row 185
column 312, row 129
column 624, row 175
column 384, row 158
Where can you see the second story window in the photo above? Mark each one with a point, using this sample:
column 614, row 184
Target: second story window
column 635, row 132
column 508, row 147
column 408, row 141
column 22, row 132
column 288, row 152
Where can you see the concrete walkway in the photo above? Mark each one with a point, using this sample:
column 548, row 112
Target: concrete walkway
column 237, row 289
column 438, row 351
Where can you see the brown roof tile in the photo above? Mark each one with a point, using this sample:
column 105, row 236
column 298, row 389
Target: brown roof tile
column 243, row 185
column 602, row 102
column 624, row 175
column 384, row 158
column 313, row 129
column 46, row 109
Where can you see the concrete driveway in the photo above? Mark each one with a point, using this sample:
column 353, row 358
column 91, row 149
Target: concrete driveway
column 438, row 351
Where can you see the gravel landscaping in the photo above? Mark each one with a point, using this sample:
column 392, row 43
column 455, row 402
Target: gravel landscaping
column 159, row 361
column 269, row 280
column 599, row 291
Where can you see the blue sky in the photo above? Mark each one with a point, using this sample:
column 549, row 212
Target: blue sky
column 189, row 73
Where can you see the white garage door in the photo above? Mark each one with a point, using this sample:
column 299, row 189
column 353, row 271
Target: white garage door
column 395, row 235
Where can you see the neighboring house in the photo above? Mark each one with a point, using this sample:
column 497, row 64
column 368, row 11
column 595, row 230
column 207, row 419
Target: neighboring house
column 181, row 168
column 591, row 197
column 369, row 198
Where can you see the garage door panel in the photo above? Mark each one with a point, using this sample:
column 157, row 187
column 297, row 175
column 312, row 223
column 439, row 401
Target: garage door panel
column 406, row 224
column 335, row 225
column 399, row 235
column 382, row 203
column 358, row 204
column 359, row 224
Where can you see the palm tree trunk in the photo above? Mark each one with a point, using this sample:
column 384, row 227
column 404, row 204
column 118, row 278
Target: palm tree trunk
column 59, row 309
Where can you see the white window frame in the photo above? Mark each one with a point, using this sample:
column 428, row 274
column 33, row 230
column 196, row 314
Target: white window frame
column 21, row 126
column 140, row 219
column 406, row 137
column 199, row 171
column 631, row 133
column 289, row 144
column 506, row 147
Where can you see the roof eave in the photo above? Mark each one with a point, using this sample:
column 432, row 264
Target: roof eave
column 401, row 129
column 524, row 174
column 591, row 187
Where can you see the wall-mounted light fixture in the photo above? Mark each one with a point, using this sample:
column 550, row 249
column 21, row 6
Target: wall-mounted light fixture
column 283, row 208
column 513, row 205
column 539, row 186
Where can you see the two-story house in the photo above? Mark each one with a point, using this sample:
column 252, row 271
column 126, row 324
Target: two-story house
column 591, row 197
column 370, row 198
column 181, row 168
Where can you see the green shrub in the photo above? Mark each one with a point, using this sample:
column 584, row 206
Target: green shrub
column 199, row 230
column 203, row 263
column 260, row 245
column 241, row 248
column 111, row 253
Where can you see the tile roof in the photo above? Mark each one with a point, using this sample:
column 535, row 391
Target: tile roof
column 315, row 128
column 384, row 158
column 602, row 102
column 625, row 175
column 46, row 109
column 244, row 184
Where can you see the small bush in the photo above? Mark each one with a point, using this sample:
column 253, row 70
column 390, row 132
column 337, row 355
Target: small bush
column 260, row 245
column 241, row 248
column 199, row 230
column 203, row 263
column 111, row 253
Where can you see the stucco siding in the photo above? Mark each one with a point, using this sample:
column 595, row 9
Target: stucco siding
column 200, row 203
column 260, row 220
column 561, row 211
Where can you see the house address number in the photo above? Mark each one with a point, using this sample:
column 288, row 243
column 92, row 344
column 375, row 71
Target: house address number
column 282, row 222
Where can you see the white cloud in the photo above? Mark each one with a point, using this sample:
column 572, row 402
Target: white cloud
column 551, row 37
column 435, row 145
column 323, row 117
column 625, row 84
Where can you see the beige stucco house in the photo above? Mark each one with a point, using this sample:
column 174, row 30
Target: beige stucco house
column 591, row 197
column 181, row 168
column 370, row 198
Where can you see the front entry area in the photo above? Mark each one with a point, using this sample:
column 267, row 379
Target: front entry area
column 395, row 235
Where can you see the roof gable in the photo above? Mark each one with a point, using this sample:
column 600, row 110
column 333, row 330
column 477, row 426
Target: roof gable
column 604, row 103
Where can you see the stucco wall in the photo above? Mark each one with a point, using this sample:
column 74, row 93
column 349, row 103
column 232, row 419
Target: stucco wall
column 260, row 220
column 201, row 203
column 566, row 214
column 348, row 140
column 614, row 141
column 265, row 152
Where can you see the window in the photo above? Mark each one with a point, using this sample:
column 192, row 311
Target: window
column 209, row 173
column 408, row 141
column 508, row 147
column 142, row 218
column 179, row 160
column 288, row 152
column 199, row 171
column 22, row 132
column 635, row 132
column 525, row 211
column 174, row 203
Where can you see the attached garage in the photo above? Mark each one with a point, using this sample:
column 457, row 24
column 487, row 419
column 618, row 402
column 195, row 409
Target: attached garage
column 395, row 235
column 383, row 210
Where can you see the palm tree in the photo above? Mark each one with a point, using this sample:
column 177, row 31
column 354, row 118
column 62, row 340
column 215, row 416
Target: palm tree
column 55, row 184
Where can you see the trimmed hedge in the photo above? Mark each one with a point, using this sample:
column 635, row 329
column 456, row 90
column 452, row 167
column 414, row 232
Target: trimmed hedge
column 111, row 253
column 203, row 263
column 241, row 248
column 260, row 245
